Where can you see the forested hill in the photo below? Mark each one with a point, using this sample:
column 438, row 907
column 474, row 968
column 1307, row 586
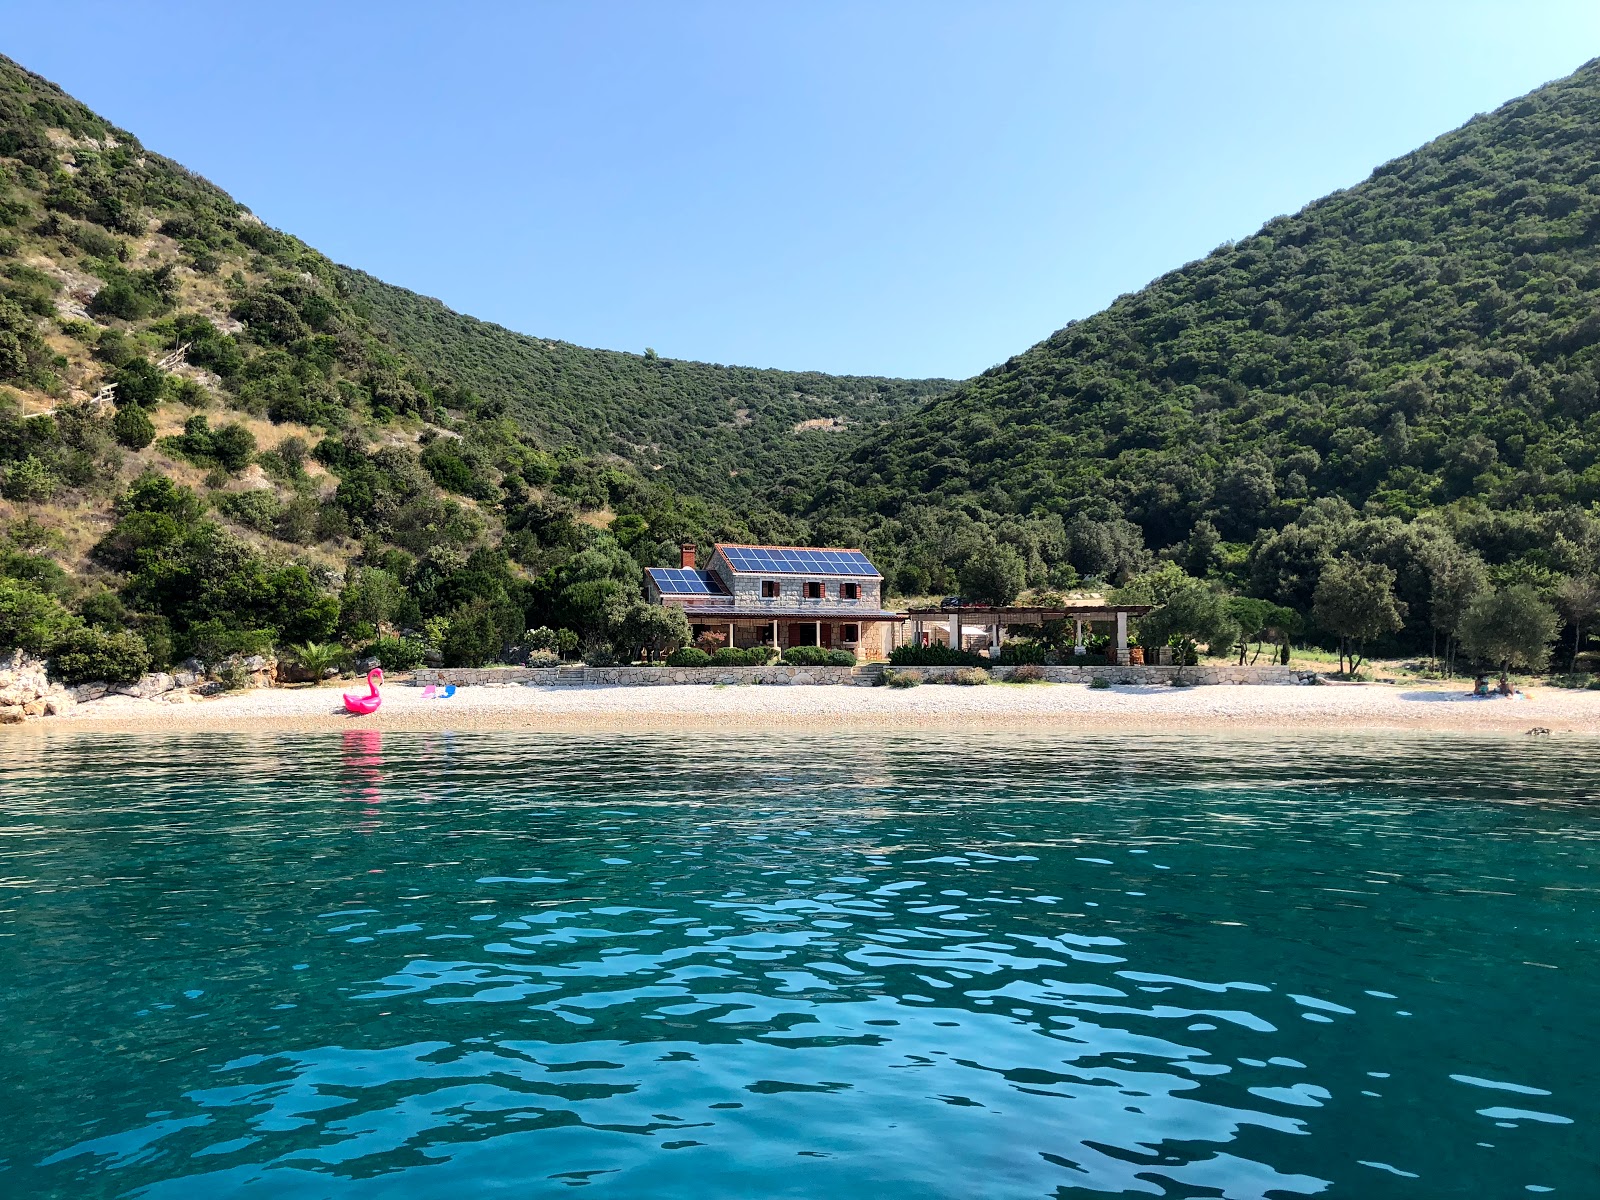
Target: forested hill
column 1422, row 345
column 729, row 433
column 213, row 441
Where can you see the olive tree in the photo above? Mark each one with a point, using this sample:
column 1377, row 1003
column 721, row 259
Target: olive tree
column 1355, row 601
column 650, row 629
column 1578, row 598
column 1511, row 628
column 1194, row 612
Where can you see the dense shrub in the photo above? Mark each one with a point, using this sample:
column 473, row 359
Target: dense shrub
column 138, row 380
column 969, row 677
column 688, row 656
column 473, row 639
column 30, row 618
column 902, row 679
column 212, row 641
column 1027, row 673
column 400, row 654
column 817, row 656
column 729, row 656
column 935, row 655
column 133, row 427
column 1019, row 653
column 1099, row 681
column 29, row 480
column 258, row 509
column 88, row 654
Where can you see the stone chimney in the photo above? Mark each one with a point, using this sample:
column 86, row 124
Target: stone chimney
column 686, row 556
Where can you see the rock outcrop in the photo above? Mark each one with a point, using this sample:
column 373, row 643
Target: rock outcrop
column 26, row 690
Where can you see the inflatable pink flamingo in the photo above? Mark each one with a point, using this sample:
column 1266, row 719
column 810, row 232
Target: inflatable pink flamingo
column 368, row 704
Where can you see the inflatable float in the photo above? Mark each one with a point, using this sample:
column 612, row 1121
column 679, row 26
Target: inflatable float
column 368, row 704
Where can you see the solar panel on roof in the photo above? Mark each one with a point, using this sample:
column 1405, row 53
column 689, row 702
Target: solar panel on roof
column 683, row 581
column 783, row 560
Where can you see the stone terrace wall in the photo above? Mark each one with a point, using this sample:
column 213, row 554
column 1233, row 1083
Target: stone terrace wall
column 777, row 673
column 1140, row 675
column 641, row 676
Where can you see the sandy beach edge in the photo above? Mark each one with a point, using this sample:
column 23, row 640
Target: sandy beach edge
column 1237, row 709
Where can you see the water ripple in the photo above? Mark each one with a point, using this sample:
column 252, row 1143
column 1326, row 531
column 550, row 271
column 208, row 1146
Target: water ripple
column 428, row 965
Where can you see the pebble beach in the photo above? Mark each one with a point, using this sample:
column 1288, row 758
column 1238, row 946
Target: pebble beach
column 997, row 707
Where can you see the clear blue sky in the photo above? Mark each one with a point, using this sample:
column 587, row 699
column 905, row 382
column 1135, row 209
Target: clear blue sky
column 900, row 188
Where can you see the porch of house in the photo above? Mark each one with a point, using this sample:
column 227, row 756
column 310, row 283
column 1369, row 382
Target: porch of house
column 868, row 639
column 982, row 628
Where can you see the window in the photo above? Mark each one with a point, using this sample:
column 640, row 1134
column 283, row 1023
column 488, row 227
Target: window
column 849, row 591
column 770, row 589
column 814, row 589
column 850, row 634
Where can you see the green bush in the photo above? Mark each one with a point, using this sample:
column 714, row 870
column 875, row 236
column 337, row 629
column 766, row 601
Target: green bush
column 398, row 654
column 30, row 618
column 133, row 427
column 88, row 654
column 969, row 677
column 1099, row 682
column 29, row 480
column 473, row 639
column 688, row 656
column 211, row 641
column 258, row 509
column 1024, row 654
column 816, row 656
column 728, row 656
column 934, row 655
column 902, row 679
column 139, row 381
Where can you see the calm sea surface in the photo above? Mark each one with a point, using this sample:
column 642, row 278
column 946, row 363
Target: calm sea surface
column 407, row 965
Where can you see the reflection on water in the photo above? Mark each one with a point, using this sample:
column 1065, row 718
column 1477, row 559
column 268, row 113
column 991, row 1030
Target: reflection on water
column 434, row 965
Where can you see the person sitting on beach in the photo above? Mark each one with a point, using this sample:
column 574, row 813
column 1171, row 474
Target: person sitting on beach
column 1504, row 687
column 1480, row 686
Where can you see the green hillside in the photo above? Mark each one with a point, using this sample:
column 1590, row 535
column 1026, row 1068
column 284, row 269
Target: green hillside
column 1418, row 352
column 212, row 440
column 731, row 433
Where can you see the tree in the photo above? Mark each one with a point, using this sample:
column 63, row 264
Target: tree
column 473, row 639
column 375, row 598
column 1455, row 578
column 1260, row 620
column 1355, row 601
column 1578, row 598
column 1194, row 612
column 994, row 574
column 1511, row 627
column 653, row 629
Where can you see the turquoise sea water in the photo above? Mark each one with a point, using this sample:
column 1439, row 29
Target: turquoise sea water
column 387, row 965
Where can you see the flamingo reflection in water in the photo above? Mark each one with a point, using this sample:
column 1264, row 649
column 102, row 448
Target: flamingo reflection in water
column 362, row 758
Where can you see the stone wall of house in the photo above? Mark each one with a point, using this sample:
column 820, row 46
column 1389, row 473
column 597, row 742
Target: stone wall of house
column 778, row 673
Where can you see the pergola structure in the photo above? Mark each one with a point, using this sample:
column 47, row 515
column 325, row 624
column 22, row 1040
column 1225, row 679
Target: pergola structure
column 949, row 623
